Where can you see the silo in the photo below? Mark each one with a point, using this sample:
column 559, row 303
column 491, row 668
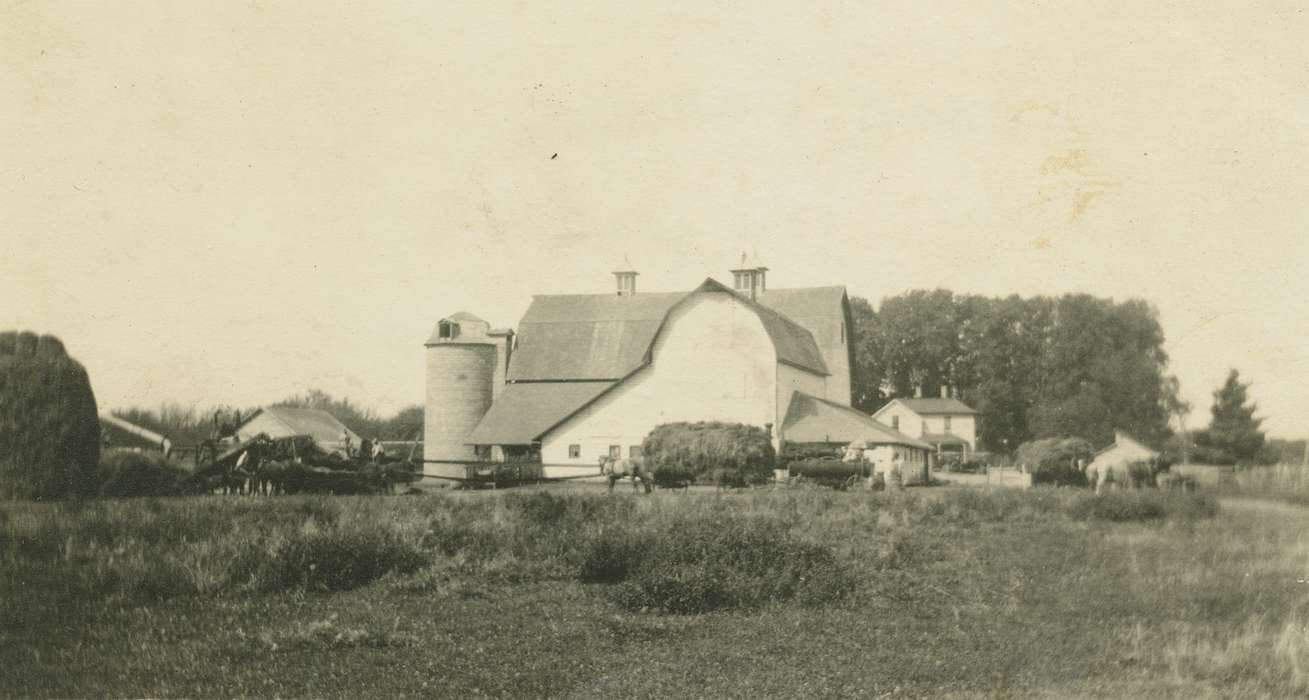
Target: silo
column 462, row 359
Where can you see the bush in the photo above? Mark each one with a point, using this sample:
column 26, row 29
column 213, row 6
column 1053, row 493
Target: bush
column 712, row 563
column 729, row 454
column 1054, row 460
column 49, row 429
column 1127, row 506
column 338, row 559
column 126, row 474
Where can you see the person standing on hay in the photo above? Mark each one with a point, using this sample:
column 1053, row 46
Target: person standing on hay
column 345, row 443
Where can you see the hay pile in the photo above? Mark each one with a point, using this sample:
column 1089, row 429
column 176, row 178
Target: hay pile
column 728, row 454
column 49, row 432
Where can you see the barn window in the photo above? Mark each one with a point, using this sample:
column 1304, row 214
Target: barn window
column 895, row 422
column 448, row 329
column 634, row 452
column 615, row 451
column 574, row 451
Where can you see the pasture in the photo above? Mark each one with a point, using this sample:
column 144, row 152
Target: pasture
column 569, row 592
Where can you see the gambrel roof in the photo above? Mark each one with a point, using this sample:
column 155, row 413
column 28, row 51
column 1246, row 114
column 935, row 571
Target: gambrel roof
column 605, row 337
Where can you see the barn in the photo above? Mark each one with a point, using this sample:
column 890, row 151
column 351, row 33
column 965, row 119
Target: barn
column 588, row 375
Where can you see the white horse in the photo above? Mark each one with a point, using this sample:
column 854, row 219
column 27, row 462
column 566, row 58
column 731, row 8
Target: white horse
column 615, row 468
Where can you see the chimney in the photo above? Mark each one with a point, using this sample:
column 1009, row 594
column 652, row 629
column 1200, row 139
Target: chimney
column 625, row 276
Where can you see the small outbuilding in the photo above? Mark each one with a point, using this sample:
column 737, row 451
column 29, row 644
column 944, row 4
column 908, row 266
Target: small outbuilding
column 1123, row 451
column 283, row 421
column 814, row 422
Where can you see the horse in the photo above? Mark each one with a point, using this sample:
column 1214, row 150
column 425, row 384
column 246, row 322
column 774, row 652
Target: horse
column 615, row 468
column 1133, row 474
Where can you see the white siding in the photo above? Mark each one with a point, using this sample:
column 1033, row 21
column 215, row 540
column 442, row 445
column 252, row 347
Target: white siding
column 963, row 425
column 911, row 423
column 712, row 361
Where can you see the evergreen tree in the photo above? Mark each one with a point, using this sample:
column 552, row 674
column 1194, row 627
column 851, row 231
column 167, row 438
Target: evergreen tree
column 1233, row 431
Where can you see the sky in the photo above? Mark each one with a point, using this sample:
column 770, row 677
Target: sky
column 235, row 202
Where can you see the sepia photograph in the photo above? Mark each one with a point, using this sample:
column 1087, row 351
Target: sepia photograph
column 654, row 350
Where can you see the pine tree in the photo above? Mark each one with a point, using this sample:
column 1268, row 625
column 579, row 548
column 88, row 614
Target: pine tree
column 1234, row 429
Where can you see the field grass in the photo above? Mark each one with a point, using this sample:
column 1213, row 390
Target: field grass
column 1283, row 482
column 938, row 592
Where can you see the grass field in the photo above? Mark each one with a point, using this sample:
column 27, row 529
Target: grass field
column 934, row 592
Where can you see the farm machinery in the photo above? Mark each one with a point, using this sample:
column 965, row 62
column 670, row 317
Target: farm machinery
column 296, row 464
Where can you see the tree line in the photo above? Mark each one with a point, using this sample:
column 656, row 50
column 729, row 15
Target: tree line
column 189, row 425
column 1074, row 365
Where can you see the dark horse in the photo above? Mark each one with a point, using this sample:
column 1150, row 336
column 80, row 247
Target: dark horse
column 615, row 468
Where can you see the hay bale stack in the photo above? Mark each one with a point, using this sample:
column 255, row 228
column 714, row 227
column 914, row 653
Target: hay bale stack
column 49, row 432
column 729, row 454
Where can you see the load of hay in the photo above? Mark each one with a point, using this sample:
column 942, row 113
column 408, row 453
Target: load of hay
column 727, row 454
column 49, row 430
column 1055, row 460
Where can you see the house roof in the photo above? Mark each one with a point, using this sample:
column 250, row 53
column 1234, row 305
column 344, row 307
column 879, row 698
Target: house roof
column 931, row 407
column 318, row 424
column 944, row 439
column 523, row 412
column 811, row 419
column 605, row 337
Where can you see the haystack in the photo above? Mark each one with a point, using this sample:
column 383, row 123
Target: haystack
column 49, row 430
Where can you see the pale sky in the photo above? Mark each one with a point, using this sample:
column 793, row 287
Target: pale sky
column 233, row 203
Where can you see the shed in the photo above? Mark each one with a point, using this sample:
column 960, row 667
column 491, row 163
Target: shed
column 283, row 421
column 1124, row 450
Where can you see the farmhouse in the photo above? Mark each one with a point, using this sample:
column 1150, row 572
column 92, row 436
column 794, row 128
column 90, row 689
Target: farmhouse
column 947, row 424
column 588, row 375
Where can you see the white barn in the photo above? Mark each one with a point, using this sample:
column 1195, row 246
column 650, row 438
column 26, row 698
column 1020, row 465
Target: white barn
column 590, row 375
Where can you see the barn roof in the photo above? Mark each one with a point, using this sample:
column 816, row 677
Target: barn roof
column 932, row 406
column 594, row 337
column 811, row 419
column 805, row 302
column 524, row 412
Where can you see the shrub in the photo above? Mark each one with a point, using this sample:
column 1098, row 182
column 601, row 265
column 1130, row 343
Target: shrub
column 1054, row 460
column 730, row 454
column 124, row 474
column 708, row 563
column 339, row 559
column 1126, row 506
column 49, row 430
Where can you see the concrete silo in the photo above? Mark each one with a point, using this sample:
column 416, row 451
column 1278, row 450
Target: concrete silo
column 466, row 365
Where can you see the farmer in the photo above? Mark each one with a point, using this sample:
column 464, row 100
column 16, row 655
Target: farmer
column 378, row 450
column 345, row 442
